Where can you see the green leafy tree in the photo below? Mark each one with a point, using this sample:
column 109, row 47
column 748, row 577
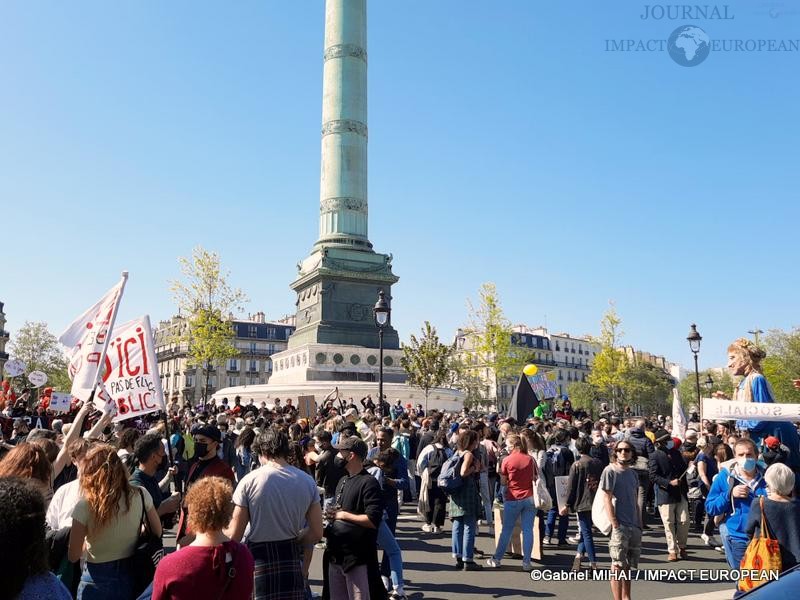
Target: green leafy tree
column 208, row 302
column 687, row 387
column 782, row 363
column 490, row 340
column 427, row 361
column 582, row 395
column 609, row 365
column 40, row 351
column 646, row 386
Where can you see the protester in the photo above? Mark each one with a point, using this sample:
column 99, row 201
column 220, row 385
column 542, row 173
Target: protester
column 621, row 482
column 280, row 504
column 517, row 474
column 465, row 503
column 29, row 461
column 149, row 455
column 584, row 479
column 212, row 567
column 350, row 562
column 557, row 464
column 24, row 569
column 644, row 448
column 782, row 514
column 430, row 463
column 106, row 523
column 730, row 497
column 668, row 474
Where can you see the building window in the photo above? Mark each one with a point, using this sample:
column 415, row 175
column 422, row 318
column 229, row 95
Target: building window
column 558, row 347
column 233, row 364
column 190, row 381
column 253, row 366
column 253, row 331
column 232, row 381
column 560, row 377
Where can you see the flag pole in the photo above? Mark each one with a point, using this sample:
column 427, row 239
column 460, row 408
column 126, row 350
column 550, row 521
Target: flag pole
column 109, row 333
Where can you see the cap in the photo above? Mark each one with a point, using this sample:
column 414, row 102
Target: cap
column 353, row 444
column 662, row 435
column 772, row 442
column 210, row 431
column 351, row 412
column 691, row 433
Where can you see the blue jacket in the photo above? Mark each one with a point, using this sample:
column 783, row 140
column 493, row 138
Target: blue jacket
column 720, row 501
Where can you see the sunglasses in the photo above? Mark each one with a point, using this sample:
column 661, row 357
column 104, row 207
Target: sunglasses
column 623, row 450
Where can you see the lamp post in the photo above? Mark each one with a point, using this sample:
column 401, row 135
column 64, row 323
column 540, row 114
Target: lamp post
column 382, row 314
column 709, row 383
column 694, row 345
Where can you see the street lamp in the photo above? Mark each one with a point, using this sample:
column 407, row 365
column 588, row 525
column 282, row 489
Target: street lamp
column 709, row 383
column 382, row 314
column 694, row 345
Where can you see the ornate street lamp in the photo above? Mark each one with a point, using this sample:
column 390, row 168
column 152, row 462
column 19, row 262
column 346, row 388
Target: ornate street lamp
column 709, row 383
column 694, row 339
column 383, row 314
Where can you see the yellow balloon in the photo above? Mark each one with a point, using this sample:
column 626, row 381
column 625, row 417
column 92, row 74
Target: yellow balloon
column 530, row 370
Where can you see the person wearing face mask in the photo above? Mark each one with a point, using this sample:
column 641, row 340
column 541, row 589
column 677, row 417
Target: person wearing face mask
column 150, row 456
column 327, row 473
column 732, row 492
column 207, row 440
column 668, row 474
column 350, row 562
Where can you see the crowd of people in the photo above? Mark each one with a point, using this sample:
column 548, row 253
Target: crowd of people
column 252, row 491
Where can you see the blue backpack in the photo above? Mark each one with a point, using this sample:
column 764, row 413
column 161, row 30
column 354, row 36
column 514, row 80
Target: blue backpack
column 449, row 479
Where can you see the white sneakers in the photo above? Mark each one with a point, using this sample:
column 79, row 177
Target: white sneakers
column 495, row 564
column 431, row 529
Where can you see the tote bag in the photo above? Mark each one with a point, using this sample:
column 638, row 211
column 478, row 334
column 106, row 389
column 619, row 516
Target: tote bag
column 599, row 515
column 763, row 554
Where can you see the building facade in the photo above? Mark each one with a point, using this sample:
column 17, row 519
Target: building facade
column 3, row 339
column 573, row 356
column 256, row 340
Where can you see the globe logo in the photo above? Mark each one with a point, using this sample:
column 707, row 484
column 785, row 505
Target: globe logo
column 689, row 46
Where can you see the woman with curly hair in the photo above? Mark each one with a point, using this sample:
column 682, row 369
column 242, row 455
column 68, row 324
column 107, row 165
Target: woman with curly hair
column 106, row 524
column 24, row 570
column 744, row 359
column 213, row 566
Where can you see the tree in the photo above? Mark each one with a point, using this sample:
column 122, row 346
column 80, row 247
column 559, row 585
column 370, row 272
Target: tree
column 610, row 363
column 490, row 339
column 208, row 302
column 40, row 351
column 782, row 363
column 687, row 387
column 427, row 361
column 647, row 386
column 582, row 395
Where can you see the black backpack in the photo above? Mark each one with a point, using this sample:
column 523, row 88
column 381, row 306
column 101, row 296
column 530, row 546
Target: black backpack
column 436, row 461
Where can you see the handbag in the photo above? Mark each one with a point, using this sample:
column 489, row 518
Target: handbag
column 541, row 497
column 600, row 517
column 147, row 554
column 763, row 554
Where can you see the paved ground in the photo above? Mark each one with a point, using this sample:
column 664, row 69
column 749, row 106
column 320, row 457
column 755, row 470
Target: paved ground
column 429, row 571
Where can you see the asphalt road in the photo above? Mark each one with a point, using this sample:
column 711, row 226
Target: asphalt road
column 430, row 572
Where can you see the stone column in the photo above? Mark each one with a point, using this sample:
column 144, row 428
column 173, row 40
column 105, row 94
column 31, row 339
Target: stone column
column 343, row 180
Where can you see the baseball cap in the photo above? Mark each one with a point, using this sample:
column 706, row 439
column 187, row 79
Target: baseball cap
column 772, row 442
column 353, row 444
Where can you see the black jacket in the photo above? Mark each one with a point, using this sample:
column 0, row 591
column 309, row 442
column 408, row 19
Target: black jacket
column 666, row 465
column 583, row 476
column 327, row 474
column 642, row 444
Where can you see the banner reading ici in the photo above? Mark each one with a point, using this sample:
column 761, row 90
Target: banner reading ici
column 131, row 371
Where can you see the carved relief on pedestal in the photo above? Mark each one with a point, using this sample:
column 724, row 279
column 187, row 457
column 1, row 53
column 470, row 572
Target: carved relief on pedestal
column 343, row 50
column 337, row 204
column 344, row 126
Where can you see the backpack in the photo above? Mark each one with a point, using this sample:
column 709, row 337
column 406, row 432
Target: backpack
column 449, row 479
column 561, row 460
column 400, row 443
column 436, row 462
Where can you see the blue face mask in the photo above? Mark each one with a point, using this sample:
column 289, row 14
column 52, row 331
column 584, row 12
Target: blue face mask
column 747, row 463
column 670, row 445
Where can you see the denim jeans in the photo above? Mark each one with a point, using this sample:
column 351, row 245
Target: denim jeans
column 106, row 581
column 563, row 524
column 464, row 537
column 391, row 553
column 512, row 510
column 734, row 547
column 585, row 530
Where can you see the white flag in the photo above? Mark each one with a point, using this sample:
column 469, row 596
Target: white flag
column 85, row 340
column 679, row 421
column 131, row 376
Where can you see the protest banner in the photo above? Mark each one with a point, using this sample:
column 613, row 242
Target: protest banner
column 716, row 409
column 87, row 340
column 562, row 490
column 679, row 420
column 130, row 375
column 542, row 386
column 60, row 401
column 15, row 367
column 37, row 378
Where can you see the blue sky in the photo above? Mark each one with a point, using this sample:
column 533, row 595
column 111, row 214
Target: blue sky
column 506, row 145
